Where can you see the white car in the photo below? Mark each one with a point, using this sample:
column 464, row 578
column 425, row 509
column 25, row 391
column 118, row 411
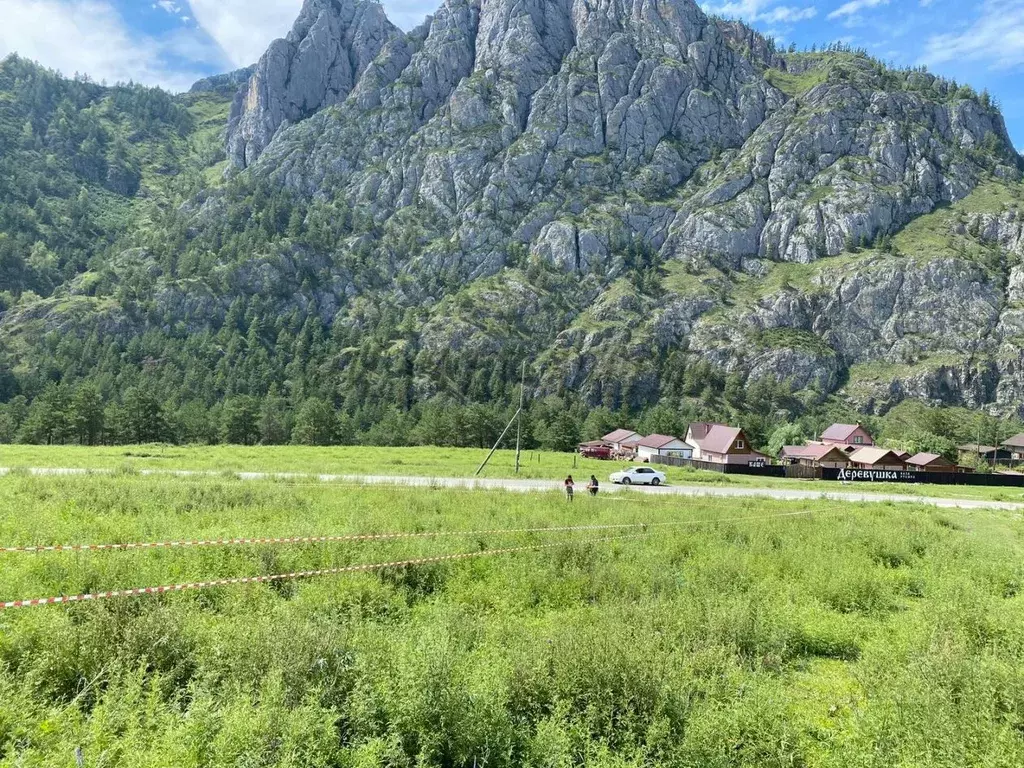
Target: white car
column 639, row 476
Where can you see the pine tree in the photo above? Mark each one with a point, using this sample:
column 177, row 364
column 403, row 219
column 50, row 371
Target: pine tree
column 87, row 415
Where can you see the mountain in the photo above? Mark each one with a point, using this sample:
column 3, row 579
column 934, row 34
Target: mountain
column 649, row 204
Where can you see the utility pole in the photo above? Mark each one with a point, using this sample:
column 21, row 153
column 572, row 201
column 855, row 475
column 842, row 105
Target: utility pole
column 996, row 452
column 981, row 420
column 495, row 448
column 519, row 423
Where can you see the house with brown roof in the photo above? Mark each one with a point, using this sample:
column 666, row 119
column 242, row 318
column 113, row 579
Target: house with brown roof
column 619, row 437
column 721, row 444
column 816, row 455
column 849, row 436
column 663, row 445
column 1015, row 445
column 879, row 459
column 930, row 462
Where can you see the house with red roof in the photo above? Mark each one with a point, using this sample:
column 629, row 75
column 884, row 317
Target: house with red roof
column 931, row 462
column 663, row 445
column 878, row 459
column 722, row 444
column 848, row 436
column 618, row 439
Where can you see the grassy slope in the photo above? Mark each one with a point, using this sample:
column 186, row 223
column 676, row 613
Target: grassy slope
column 420, row 462
column 853, row 637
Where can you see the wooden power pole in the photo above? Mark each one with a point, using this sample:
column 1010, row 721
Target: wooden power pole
column 519, row 423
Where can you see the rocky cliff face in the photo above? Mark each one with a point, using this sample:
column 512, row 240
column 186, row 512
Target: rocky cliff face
column 317, row 65
column 816, row 217
column 229, row 82
column 574, row 130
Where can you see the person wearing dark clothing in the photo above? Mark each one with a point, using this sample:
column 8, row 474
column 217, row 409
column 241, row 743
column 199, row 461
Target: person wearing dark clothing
column 570, row 487
column 593, row 486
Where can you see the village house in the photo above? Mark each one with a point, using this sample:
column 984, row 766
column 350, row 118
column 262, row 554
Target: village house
column 1015, row 447
column 721, row 444
column 629, row 447
column 663, row 445
column 619, row 438
column 849, row 437
column 989, row 454
column 879, row 459
column 930, row 462
column 816, row 455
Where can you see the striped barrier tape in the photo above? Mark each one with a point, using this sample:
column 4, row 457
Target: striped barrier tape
column 302, row 539
column 95, row 596
column 369, row 536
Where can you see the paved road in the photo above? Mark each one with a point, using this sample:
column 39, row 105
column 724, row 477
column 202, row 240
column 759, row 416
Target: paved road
column 537, row 486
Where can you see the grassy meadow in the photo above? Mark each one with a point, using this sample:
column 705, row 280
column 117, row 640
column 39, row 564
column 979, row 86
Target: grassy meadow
column 853, row 636
column 422, row 462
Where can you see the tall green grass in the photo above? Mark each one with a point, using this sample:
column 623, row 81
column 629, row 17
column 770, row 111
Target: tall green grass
column 881, row 635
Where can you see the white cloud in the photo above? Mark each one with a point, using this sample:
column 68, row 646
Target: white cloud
column 244, row 28
column 995, row 38
column 90, row 37
column 855, row 6
column 408, row 14
column 786, row 14
column 762, row 10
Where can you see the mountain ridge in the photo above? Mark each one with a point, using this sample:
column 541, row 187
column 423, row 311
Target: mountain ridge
column 643, row 200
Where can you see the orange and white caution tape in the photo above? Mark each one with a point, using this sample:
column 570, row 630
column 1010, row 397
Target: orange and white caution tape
column 362, row 537
column 95, row 596
column 302, row 539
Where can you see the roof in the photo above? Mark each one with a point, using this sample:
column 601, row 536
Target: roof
column 1010, row 473
column 700, row 429
column 658, row 441
column 975, row 448
column 595, row 444
column 874, row 456
column 633, row 442
column 619, row 436
column 925, row 459
column 1017, row 441
column 720, row 438
column 813, row 451
column 840, row 432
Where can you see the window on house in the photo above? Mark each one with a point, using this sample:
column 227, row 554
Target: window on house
column 858, row 440
column 740, row 445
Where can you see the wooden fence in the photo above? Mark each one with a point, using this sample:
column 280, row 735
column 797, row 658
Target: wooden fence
column 726, row 469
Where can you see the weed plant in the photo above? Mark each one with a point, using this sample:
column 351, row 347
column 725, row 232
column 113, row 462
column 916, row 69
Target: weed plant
column 876, row 635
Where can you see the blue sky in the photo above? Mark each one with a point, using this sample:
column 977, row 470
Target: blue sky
column 174, row 42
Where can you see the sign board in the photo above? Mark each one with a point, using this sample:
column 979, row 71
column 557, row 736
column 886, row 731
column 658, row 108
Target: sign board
column 876, row 476
column 758, row 463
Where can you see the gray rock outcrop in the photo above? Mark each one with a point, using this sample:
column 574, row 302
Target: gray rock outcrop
column 315, row 66
column 229, row 82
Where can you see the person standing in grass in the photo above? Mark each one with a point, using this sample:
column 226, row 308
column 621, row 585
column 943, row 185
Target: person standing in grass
column 593, row 486
column 570, row 487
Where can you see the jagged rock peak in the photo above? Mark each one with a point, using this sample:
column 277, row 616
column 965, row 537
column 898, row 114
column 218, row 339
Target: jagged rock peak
column 228, row 82
column 334, row 42
column 315, row 66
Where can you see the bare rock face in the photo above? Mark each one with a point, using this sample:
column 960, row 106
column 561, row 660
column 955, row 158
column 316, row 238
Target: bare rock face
column 590, row 134
column 317, row 65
